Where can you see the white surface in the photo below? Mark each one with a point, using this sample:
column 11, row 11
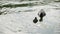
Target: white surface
column 15, row 22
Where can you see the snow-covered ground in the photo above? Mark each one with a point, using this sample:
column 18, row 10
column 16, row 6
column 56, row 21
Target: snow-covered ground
column 20, row 20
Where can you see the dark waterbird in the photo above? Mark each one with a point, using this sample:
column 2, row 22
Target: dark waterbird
column 41, row 14
column 35, row 20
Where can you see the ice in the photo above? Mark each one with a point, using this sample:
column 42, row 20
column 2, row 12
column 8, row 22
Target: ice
column 20, row 20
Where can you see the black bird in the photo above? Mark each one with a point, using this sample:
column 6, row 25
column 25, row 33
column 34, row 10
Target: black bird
column 41, row 14
column 35, row 20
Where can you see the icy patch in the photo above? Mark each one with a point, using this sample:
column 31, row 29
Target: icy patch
column 22, row 22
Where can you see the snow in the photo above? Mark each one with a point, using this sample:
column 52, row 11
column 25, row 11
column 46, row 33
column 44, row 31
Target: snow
column 15, row 22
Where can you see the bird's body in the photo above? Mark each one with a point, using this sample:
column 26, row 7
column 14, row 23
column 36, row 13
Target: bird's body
column 35, row 20
column 41, row 14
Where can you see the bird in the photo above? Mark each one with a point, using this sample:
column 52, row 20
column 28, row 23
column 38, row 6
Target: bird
column 41, row 14
column 35, row 20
